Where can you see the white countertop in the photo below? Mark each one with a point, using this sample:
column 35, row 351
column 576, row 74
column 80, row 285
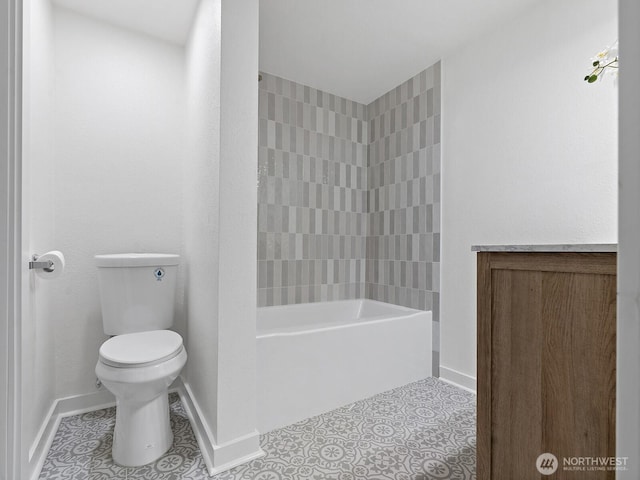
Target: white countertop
column 570, row 247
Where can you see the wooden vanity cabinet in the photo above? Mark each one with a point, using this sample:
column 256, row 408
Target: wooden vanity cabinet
column 546, row 362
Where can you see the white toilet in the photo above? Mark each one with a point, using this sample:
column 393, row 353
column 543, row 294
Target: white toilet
column 137, row 365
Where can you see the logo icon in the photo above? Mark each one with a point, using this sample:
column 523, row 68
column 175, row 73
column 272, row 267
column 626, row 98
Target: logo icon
column 547, row 463
column 158, row 273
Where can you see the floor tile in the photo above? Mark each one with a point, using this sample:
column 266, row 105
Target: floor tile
column 421, row 431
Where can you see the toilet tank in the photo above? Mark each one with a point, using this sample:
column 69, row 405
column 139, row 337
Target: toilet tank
column 137, row 291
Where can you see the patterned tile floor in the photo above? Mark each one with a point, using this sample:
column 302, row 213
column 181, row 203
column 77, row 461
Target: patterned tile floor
column 421, row 431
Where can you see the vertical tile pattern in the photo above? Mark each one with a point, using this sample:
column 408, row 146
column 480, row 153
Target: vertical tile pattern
column 349, row 196
column 403, row 242
column 312, row 195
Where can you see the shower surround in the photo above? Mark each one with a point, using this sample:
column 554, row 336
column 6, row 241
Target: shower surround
column 349, row 196
column 403, row 241
column 312, row 195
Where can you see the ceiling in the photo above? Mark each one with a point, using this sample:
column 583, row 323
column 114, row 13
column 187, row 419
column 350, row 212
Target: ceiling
column 168, row 20
column 361, row 49
column 358, row 49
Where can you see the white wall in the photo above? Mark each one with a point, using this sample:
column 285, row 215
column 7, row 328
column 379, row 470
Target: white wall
column 628, row 354
column 238, row 219
column 201, row 207
column 118, row 151
column 529, row 150
column 38, row 367
column 220, row 212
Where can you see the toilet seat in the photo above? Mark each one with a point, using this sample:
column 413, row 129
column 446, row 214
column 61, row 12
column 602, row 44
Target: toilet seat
column 142, row 349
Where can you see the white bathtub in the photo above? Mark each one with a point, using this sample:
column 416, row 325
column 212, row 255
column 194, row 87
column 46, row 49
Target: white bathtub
column 315, row 357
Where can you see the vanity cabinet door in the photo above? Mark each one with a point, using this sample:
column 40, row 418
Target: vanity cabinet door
column 546, row 363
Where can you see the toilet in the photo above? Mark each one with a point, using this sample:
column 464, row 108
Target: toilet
column 142, row 358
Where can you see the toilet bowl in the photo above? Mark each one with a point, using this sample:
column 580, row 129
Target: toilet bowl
column 138, row 369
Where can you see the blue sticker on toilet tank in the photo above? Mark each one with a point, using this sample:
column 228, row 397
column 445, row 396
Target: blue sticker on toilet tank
column 158, row 273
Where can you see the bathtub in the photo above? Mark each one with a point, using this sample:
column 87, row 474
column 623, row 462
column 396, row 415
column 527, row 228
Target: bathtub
column 316, row 357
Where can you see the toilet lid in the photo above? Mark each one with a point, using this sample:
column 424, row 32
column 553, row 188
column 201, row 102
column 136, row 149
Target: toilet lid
column 141, row 349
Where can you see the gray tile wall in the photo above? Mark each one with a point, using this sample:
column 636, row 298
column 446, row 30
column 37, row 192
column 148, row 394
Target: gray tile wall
column 403, row 239
column 312, row 195
column 349, row 196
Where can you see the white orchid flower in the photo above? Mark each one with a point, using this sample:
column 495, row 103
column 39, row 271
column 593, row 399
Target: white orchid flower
column 604, row 63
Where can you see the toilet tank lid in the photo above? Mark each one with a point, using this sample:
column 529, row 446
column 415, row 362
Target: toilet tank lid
column 137, row 259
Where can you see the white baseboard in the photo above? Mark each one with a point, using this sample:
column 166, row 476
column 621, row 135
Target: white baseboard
column 217, row 457
column 63, row 407
column 201, row 430
column 239, row 461
column 458, row 379
column 41, row 444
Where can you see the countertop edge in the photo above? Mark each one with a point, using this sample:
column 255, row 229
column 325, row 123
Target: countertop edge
column 577, row 248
